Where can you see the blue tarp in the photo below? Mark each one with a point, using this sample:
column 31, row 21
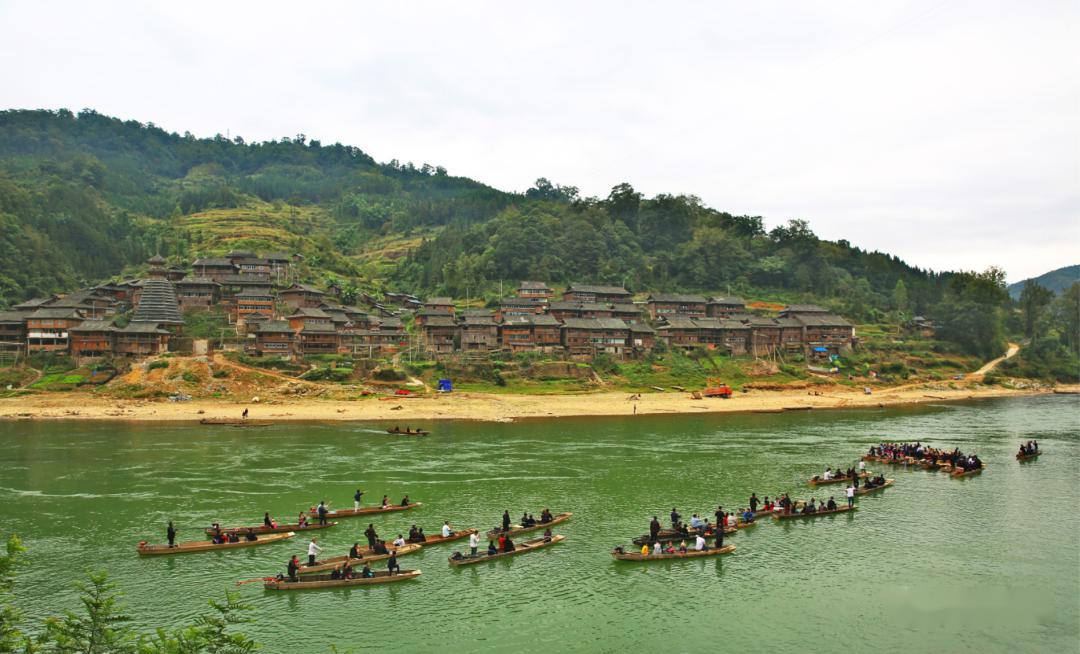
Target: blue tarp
column 821, row 349
column 445, row 386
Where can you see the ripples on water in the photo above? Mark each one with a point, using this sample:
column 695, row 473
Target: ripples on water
column 982, row 564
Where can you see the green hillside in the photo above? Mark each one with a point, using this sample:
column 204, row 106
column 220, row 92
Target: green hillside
column 85, row 197
column 1055, row 280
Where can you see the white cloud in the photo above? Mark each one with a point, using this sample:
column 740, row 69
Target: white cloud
column 943, row 132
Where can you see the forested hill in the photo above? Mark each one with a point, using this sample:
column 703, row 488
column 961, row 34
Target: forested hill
column 1055, row 280
column 84, row 195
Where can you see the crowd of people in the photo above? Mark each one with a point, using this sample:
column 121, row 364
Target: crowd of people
column 1028, row 448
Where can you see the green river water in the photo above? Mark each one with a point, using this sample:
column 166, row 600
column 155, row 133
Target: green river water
column 986, row 564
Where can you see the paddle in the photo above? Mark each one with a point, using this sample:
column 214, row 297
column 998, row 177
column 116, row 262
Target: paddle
column 253, row 581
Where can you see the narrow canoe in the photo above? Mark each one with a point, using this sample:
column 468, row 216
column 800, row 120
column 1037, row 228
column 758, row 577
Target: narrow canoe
column 670, row 536
column 970, row 473
column 1026, row 457
column 322, row 565
column 233, row 422
column 435, row 540
column 263, row 529
column 520, row 548
column 324, row 581
column 416, row 432
column 838, row 480
column 367, row 510
column 692, row 554
column 518, row 529
column 790, row 516
column 864, row 490
column 145, row 549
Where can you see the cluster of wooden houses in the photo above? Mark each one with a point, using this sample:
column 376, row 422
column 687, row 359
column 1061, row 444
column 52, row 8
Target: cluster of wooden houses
column 274, row 316
column 590, row 319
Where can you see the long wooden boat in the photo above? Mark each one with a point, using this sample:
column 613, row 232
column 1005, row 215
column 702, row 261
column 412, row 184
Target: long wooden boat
column 518, row 529
column 670, row 535
column 958, row 473
column 407, row 432
column 364, row 510
column 1028, row 457
column 690, row 554
column 313, row 582
column 435, row 540
column 367, row 556
column 837, row 480
column 864, row 490
column 146, row 549
column 263, row 529
column 520, row 548
column 793, row 515
column 233, row 422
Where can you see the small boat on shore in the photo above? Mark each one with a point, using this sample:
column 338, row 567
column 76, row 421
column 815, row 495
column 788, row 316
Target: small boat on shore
column 314, row 582
column 520, row 548
column 368, row 510
column 146, row 549
column 690, row 554
column 233, row 422
column 263, row 529
column 407, row 432
column 1028, row 457
column 864, row 490
column 518, row 529
column 836, row 480
column 960, row 472
column 793, row 515
column 366, row 556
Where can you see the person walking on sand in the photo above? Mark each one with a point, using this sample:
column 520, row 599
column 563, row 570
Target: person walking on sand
column 245, row 414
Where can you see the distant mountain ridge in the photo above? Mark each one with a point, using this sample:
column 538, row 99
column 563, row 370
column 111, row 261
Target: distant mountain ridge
column 1055, row 280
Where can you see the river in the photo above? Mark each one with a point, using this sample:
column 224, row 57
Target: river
column 985, row 564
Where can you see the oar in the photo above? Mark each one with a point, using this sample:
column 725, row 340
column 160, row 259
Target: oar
column 253, row 581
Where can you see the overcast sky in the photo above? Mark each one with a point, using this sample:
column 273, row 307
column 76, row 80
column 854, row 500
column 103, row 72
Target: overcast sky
column 944, row 132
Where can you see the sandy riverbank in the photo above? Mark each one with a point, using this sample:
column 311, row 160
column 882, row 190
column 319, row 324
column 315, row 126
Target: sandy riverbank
column 480, row 406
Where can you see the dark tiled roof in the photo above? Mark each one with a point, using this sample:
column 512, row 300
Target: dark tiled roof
column 309, row 312
column 95, row 326
column 318, row 328
column 142, row 328
column 243, row 280
column 625, row 308
column 440, row 321
column 196, row 281
column 641, row 328
column 274, row 326
column 479, row 321
column 56, row 312
column 804, row 308
column 13, row 316
column 590, row 288
column 156, row 260
column 821, row 320
column 595, row 323
column 728, row 300
column 677, row 297
column 439, row 302
column 214, row 262
column 33, row 303
column 261, row 292
column 303, row 288
column 157, row 303
column 578, row 306
column 534, row 286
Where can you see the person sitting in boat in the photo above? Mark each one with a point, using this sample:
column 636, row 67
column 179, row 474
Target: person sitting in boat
column 347, row 571
column 380, row 547
column 491, row 548
column 547, row 535
column 524, row 522
column 354, row 551
column 657, row 550
column 267, row 522
column 831, row 506
column 405, row 501
column 251, row 535
column 645, row 550
column 335, row 574
column 447, row 532
column 682, row 546
column 385, row 502
column 508, row 546
column 699, row 544
column 502, row 543
column 684, row 531
column 532, row 520
column 302, row 520
column 696, row 522
column 420, row 537
column 293, row 567
column 367, row 572
column 412, row 534
column 545, row 516
column 828, row 474
column 399, row 541
column 809, row 508
column 670, row 549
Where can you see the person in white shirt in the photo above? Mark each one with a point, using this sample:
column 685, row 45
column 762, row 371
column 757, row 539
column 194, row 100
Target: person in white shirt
column 446, row 531
column 312, row 551
column 850, row 496
column 474, row 542
column 828, row 474
column 656, row 549
column 862, row 466
column 399, row 541
column 699, row 543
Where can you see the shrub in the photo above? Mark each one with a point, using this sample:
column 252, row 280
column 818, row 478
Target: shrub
column 154, row 365
column 191, row 377
column 221, row 373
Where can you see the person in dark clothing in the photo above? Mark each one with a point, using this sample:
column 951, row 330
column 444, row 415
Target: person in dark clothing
column 250, row 535
column 654, row 529
column 506, row 520
column 322, row 512
column 294, row 567
column 266, row 520
column 170, row 533
column 367, row 572
column 371, row 535
column 380, row 547
column 392, row 564
column 719, row 535
column 675, row 517
column 753, row 502
column 491, row 548
column 405, row 501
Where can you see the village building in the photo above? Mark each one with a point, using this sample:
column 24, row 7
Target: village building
column 120, row 291
column 725, row 306
column 825, row 333
column 564, row 311
column 302, row 295
column 585, row 337
column 253, row 301
column 48, row 329
column 280, row 265
column 798, row 309
column 90, row 302
column 251, row 264
column 442, row 305
column 303, row 316
column 534, row 291
column 215, row 268
column 440, row 335
column 141, row 339
column 272, row 338
column 423, row 315
column 12, row 334
column 791, row 334
column 628, row 312
column 642, row 337
column 662, row 305
column 200, row 293
column 175, row 273
column 92, row 339
column 520, row 306
column 593, row 293
column 157, row 303
column 479, row 333
column 317, row 338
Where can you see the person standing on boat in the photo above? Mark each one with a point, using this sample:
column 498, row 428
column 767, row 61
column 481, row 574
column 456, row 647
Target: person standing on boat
column 851, row 496
column 293, row 567
column 719, row 534
column 474, row 542
column 313, row 550
column 506, row 520
column 753, row 502
column 654, row 529
column 267, row 522
column 371, row 535
column 322, row 512
column 675, row 517
column 170, row 533
column 356, row 499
